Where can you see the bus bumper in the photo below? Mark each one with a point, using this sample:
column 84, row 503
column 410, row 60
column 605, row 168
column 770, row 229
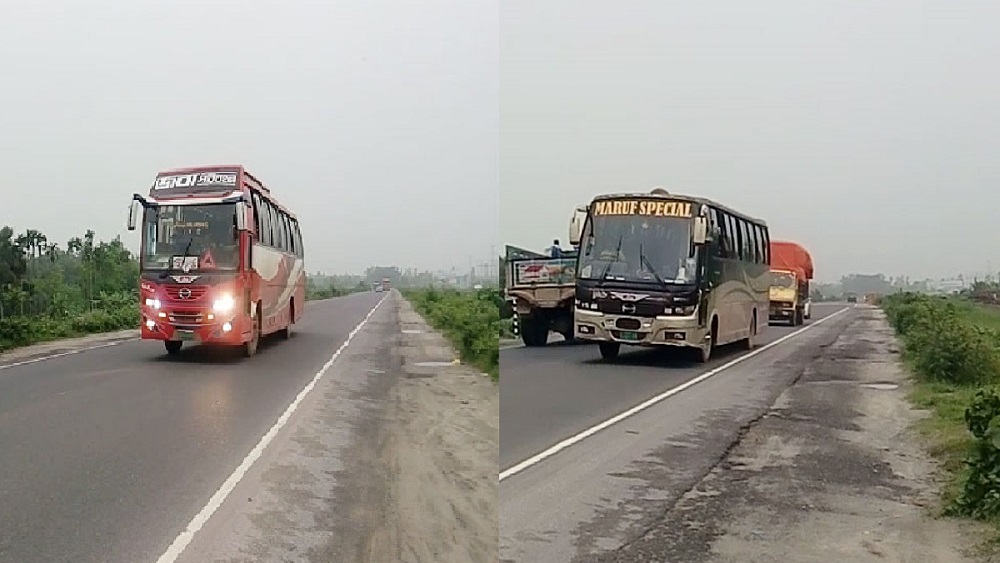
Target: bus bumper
column 674, row 331
column 227, row 330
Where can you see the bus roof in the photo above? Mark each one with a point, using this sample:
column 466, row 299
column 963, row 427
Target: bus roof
column 657, row 194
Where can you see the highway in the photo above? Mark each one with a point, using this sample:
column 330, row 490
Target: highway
column 107, row 455
column 588, row 499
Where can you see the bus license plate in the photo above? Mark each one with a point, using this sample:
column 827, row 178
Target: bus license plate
column 184, row 335
column 629, row 335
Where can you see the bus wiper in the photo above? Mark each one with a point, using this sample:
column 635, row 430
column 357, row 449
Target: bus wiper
column 618, row 249
column 170, row 268
column 645, row 262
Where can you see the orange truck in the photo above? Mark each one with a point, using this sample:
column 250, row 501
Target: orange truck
column 791, row 271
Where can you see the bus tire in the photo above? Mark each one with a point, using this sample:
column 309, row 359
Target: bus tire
column 705, row 351
column 609, row 350
column 750, row 342
column 173, row 346
column 287, row 332
column 250, row 347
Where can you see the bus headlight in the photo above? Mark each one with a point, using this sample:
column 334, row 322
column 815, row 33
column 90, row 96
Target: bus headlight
column 153, row 303
column 224, row 304
column 686, row 311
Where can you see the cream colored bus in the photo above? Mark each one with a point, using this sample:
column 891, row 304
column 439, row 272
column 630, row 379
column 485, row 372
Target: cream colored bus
column 660, row 269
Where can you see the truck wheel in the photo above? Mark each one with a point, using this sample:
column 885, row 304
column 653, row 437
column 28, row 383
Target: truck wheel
column 569, row 337
column 609, row 350
column 173, row 346
column 798, row 317
column 534, row 332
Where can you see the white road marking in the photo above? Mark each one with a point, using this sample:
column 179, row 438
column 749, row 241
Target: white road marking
column 539, row 457
column 185, row 537
column 67, row 353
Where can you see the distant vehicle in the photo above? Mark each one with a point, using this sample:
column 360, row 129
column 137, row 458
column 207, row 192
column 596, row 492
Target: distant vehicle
column 385, row 284
column 377, row 287
column 791, row 271
column 221, row 260
column 660, row 269
column 852, row 298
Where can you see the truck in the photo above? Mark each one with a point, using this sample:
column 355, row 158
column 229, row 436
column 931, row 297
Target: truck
column 791, row 271
column 540, row 290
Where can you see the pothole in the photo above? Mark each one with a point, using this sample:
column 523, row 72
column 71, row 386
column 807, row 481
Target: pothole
column 881, row 386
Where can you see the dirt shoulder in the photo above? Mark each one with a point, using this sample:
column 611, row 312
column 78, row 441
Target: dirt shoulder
column 384, row 462
column 833, row 472
column 447, row 440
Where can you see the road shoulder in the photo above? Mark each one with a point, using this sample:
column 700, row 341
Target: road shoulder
column 383, row 462
column 447, row 437
column 63, row 346
column 832, row 472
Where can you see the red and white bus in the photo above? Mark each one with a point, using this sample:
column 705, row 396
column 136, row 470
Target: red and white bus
column 221, row 260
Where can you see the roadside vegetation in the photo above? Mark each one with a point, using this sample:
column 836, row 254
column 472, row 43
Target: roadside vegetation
column 952, row 346
column 469, row 319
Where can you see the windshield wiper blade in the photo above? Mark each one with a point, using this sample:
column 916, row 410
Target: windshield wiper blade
column 618, row 249
column 645, row 262
column 170, row 267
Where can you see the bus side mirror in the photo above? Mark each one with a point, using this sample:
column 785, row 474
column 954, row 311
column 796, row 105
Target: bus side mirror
column 241, row 216
column 133, row 214
column 700, row 230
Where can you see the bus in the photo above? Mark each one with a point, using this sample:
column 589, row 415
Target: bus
column 659, row 269
column 221, row 260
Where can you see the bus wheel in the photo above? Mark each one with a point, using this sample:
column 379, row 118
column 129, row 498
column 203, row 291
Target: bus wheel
column 609, row 350
column 705, row 352
column 750, row 341
column 250, row 348
column 287, row 332
column 173, row 346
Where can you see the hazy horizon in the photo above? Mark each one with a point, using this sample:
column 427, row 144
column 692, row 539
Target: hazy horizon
column 865, row 132
column 375, row 122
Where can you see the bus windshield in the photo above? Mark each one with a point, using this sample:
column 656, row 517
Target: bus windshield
column 782, row 279
column 190, row 238
column 638, row 249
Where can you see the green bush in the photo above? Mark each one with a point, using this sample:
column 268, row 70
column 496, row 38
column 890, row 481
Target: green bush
column 470, row 319
column 980, row 494
column 115, row 311
column 942, row 344
column 950, row 349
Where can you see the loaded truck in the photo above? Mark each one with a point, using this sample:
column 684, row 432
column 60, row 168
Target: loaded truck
column 540, row 290
column 791, row 271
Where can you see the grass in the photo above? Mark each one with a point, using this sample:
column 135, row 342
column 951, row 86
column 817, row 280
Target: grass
column 469, row 319
column 945, row 435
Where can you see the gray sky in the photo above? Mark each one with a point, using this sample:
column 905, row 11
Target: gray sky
column 868, row 131
column 375, row 121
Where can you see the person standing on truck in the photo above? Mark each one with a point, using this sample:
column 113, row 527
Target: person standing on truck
column 555, row 251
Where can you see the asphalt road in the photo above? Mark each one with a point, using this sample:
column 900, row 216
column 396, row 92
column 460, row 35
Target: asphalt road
column 106, row 455
column 586, row 501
